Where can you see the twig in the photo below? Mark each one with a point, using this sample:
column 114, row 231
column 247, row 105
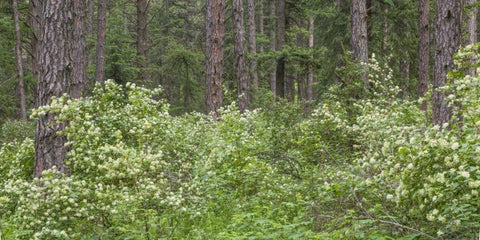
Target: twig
column 407, row 228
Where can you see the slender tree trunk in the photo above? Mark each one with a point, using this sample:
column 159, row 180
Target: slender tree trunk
column 54, row 63
column 471, row 23
column 101, row 38
column 359, row 40
column 423, row 49
column 471, row 28
column 90, row 13
column 261, row 23
column 142, row 18
column 281, row 22
column 79, row 52
column 447, row 40
column 215, row 28
column 253, row 43
column 310, row 68
column 18, row 51
column 241, row 71
column 273, row 47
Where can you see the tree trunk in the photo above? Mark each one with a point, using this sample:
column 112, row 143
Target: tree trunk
column 471, row 28
column 241, row 71
column 447, row 40
column 359, row 40
column 273, row 47
column 423, row 50
column 91, row 12
column 35, row 8
column 215, row 28
column 281, row 22
column 309, row 94
column 101, row 38
column 261, row 22
column 253, row 43
column 142, row 18
column 55, row 70
column 79, row 55
column 471, row 23
column 18, row 51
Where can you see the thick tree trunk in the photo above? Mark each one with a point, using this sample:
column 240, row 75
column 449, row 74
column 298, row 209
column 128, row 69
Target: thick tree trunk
column 241, row 71
column 79, row 52
column 273, row 47
column 447, row 40
column 101, row 38
column 281, row 22
column 423, row 49
column 55, row 70
column 142, row 18
column 359, row 40
column 215, row 28
column 309, row 91
column 253, row 43
column 18, row 51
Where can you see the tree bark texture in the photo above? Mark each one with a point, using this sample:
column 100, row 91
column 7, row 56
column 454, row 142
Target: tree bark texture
column 261, row 23
column 215, row 28
column 273, row 47
column 35, row 8
column 471, row 23
column 309, row 91
column 423, row 49
column 141, row 27
column 447, row 40
column 90, row 14
column 281, row 24
column 18, row 52
column 359, row 38
column 101, row 39
column 79, row 52
column 471, row 27
column 241, row 71
column 55, row 70
column 253, row 43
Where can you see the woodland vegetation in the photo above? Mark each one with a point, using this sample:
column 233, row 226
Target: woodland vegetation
column 255, row 119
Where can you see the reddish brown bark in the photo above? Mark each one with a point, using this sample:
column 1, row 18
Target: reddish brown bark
column 359, row 39
column 423, row 49
column 215, row 28
column 101, row 39
column 79, row 51
column 241, row 71
column 253, row 43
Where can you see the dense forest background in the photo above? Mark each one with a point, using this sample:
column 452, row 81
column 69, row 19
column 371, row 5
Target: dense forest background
column 239, row 119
